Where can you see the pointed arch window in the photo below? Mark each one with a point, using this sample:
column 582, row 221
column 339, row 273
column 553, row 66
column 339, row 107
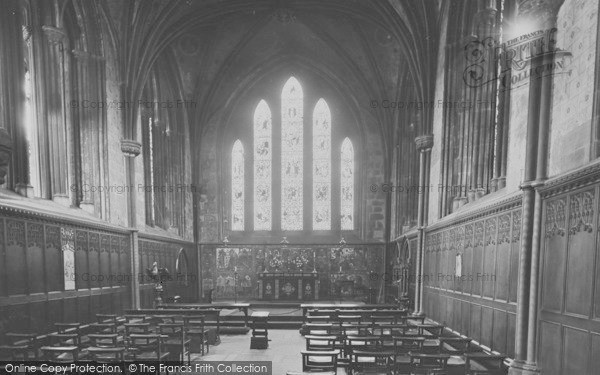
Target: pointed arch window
column 292, row 134
column 263, row 199
column 319, row 195
column 347, row 185
column 321, row 166
column 237, row 186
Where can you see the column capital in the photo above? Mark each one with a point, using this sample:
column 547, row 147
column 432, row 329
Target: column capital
column 131, row 148
column 424, row 142
column 55, row 35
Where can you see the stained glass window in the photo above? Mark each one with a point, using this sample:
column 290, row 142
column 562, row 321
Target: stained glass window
column 347, row 185
column 321, row 166
column 237, row 186
column 262, row 167
column 292, row 130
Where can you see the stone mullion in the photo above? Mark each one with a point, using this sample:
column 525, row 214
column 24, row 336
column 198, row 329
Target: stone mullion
column 467, row 139
column 13, row 141
column 84, row 164
column 54, row 90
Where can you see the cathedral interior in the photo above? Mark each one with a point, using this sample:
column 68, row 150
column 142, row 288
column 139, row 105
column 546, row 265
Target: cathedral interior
column 422, row 174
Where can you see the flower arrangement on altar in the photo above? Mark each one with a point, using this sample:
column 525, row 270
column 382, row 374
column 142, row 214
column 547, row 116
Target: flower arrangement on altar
column 299, row 261
column 276, row 260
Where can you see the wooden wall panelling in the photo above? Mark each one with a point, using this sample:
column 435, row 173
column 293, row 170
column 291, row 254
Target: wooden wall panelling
column 580, row 260
column 53, row 260
column 117, row 277
column 499, row 334
column 3, row 275
column 94, row 260
column 596, row 314
column 81, row 259
column 477, row 257
column 510, row 334
column 489, row 276
column 576, row 351
column 125, row 262
column 35, row 257
column 502, row 259
column 550, row 348
column 514, row 254
column 70, row 308
column 468, row 258
column 595, row 348
column 15, row 257
column 475, row 331
column 104, row 262
column 478, row 305
column 487, row 326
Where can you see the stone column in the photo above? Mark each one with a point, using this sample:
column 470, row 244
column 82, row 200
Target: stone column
column 424, row 144
column 543, row 14
column 131, row 149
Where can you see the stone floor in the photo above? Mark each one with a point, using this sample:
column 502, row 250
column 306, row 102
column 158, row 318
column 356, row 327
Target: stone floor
column 284, row 350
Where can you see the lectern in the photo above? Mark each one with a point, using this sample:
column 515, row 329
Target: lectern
column 260, row 333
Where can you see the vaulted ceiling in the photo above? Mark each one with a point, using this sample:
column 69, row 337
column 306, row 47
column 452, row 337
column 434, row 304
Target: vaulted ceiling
column 367, row 50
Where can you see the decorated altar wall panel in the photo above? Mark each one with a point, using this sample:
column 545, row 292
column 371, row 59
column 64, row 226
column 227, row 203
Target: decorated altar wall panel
column 353, row 264
column 569, row 310
column 57, row 271
column 470, row 275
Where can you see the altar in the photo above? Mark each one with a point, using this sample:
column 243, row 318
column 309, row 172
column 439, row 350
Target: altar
column 282, row 286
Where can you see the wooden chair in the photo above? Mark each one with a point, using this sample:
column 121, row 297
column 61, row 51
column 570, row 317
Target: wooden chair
column 323, row 329
column 106, row 327
column 195, row 329
column 62, row 354
column 320, row 343
column 107, row 355
column 176, row 343
column 318, row 319
column 383, row 319
column 67, row 334
column 455, row 347
column 319, row 360
column 435, row 330
column 361, row 329
column 21, row 346
column 107, row 318
column 483, row 363
column 136, row 318
column 146, row 347
column 140, row 328
column 105, row 340
column 403, row 346
column 372, row 362
column 427, row 364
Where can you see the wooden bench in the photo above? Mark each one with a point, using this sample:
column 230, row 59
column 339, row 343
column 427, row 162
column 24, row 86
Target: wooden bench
column 212, row 317
column 347, row 306
column 243, row 307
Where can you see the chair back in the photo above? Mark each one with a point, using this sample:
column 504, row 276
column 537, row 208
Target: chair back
column 106, row 340
column 372, row 361
column 319, row 360
column 406, row 344
column 428, row 363
column 107, row 355
column 138, row 328
column 320, row 343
